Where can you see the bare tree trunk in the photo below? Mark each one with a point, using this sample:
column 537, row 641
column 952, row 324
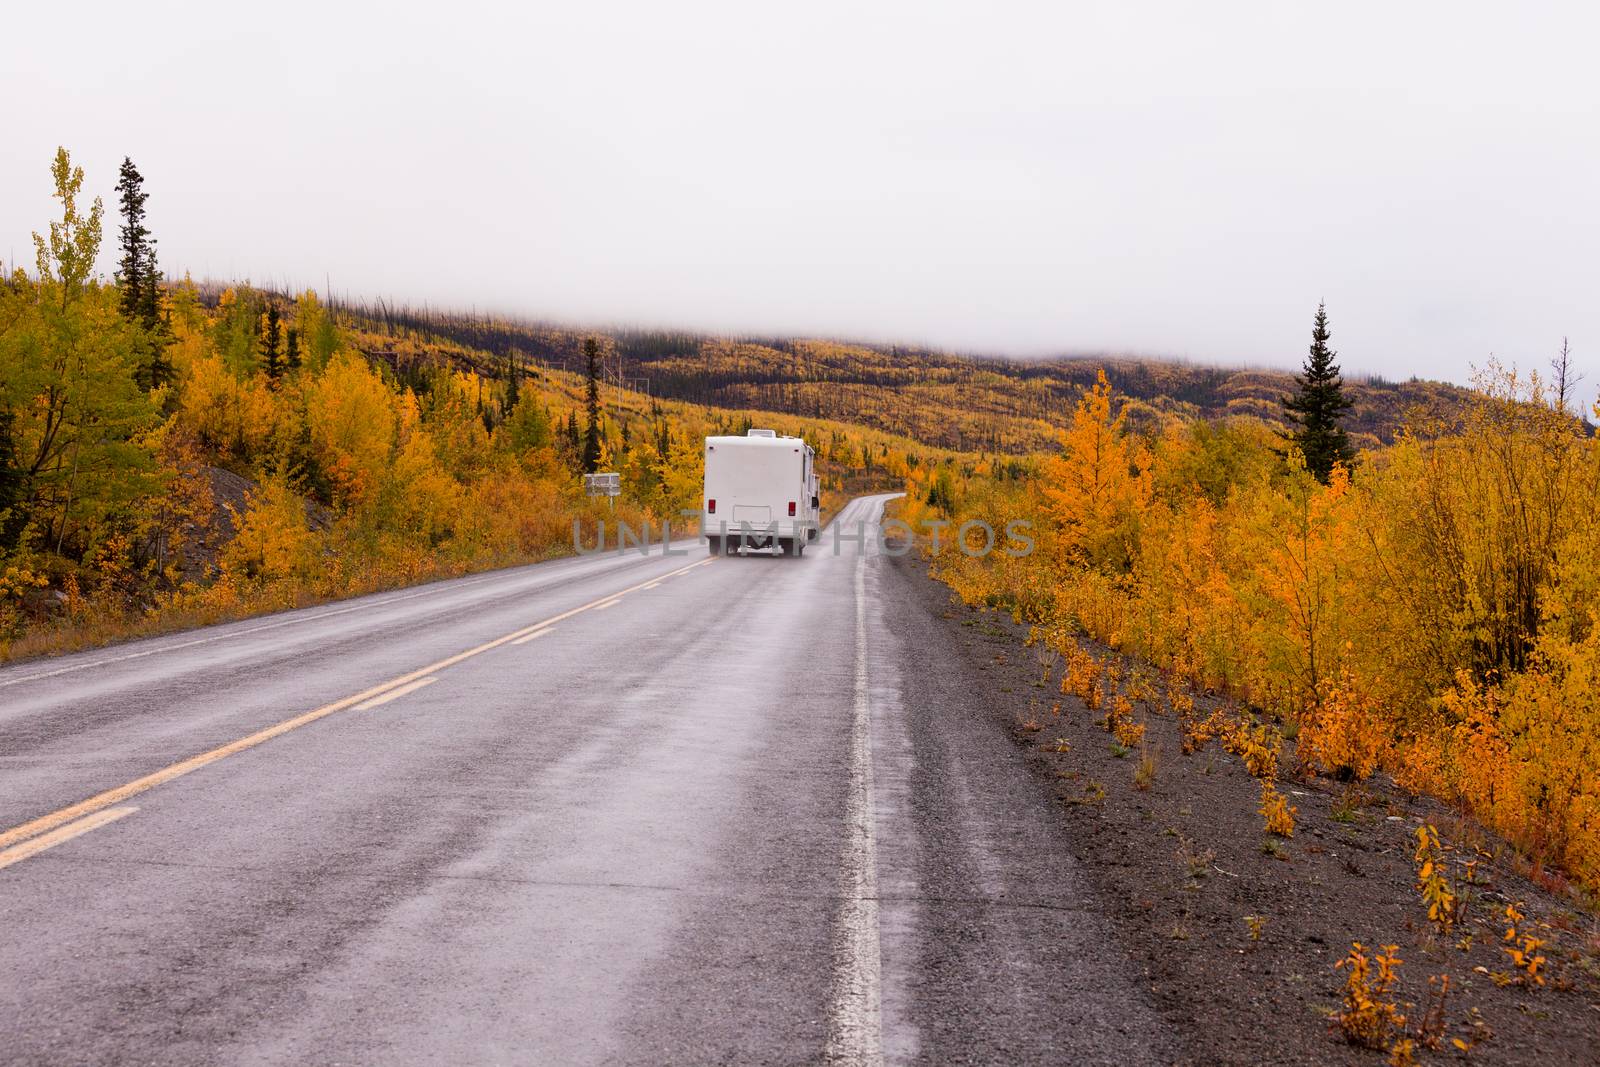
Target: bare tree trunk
column 1566, row 383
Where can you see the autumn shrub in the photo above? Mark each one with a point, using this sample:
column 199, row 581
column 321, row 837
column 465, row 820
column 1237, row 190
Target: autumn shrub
column 1431, row 612
column 1439, row 896
column 1098, row 604
column 273, row 543
column 1341, row 732
column 1081, row 676
column 1197, row 732
column 1524, row 755
column 1256, row 744
column 1369, row 1017
column 1128, row 733
column 1523, row 948
column 1276, row 815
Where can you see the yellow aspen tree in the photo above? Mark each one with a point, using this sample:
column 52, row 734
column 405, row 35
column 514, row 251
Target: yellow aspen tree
column 1096, row 486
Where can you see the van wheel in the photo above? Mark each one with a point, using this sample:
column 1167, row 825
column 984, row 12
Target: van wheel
column 715, row 544
column 730, row 545
column 788, row 546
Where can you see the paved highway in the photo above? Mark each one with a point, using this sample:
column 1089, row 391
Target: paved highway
column 610, row 809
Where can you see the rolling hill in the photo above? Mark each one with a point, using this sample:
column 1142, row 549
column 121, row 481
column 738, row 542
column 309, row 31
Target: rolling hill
column 967, row 403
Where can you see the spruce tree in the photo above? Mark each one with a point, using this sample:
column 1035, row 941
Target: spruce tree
column 513, row 385
column 1318, row 408
column 157, row 369
column 571, row 433
column 271, row 335
column 139, row 278
column 591, row 433
column 138, row 247
column 941, row 494
column 291, row 349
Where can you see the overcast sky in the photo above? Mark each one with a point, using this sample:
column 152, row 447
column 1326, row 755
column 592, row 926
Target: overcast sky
column 1178, row 179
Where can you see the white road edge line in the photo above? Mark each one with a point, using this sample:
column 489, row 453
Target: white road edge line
column 61, row 834
column 855, row 1023
column 396, row 694
column 108, row 660
column 530, row 637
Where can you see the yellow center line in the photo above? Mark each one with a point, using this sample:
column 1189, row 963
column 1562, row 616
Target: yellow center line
column 166, row 774
column 608, row 604
column 396, row 694
column 532, row 636
column 64, row 833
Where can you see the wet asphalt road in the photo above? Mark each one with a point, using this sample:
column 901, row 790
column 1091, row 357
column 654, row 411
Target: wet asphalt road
column 749, row 811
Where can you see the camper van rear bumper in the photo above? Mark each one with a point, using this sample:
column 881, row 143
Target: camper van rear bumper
column 782, row 529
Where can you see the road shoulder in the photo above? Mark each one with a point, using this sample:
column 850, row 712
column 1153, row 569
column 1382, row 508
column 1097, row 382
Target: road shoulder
column 996, row 948
column 1179, row 870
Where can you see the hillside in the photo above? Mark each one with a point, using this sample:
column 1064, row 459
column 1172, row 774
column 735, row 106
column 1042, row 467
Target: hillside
column 965, row 403
column 252, row 451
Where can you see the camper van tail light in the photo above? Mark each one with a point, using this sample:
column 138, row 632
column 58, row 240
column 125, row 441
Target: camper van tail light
column 791, row 508
column 711, row 505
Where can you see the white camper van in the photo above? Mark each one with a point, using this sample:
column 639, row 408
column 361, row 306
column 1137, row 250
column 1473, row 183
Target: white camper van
column 761, row 492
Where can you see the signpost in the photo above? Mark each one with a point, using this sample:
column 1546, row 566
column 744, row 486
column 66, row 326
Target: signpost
column 606, row 483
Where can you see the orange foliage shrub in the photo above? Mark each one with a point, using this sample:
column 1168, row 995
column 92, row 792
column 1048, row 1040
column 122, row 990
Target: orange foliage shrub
column 273, row 543
column 1341, row 733
column 1196, row 732
column 1257, row 745
column 1523, row 948
column 1525, row 755
column 1276, row 813
column 1434, row 612
column 1128, row 733
column 1367, row 1018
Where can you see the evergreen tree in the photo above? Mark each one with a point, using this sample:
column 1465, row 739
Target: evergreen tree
column 1317, row 410
column 156, row 369
column 573, row 444
column 139, row 279
column 271, row 335
column 591, row 433
column 513, row 385
column 663, row 440
column 135, row 268
column 941, row 494
column 291, row 349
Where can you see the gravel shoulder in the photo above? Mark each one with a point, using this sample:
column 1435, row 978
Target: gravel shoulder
column 995, row 946
column 1174, row 870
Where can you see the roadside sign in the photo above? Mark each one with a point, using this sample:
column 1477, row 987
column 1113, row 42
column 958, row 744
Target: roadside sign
column 607, row 483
